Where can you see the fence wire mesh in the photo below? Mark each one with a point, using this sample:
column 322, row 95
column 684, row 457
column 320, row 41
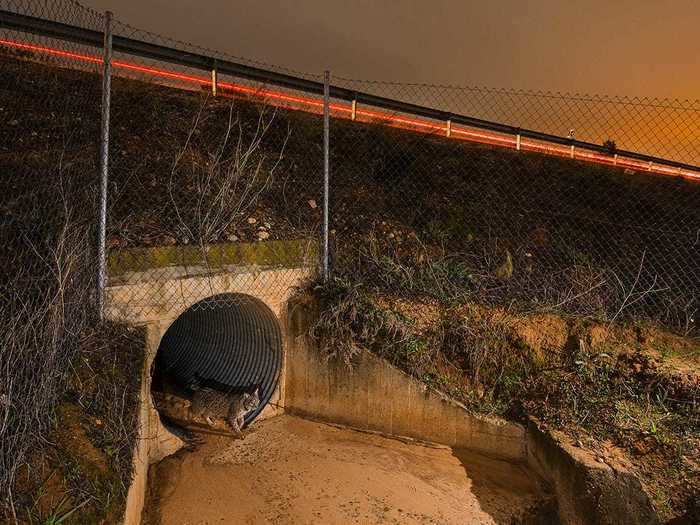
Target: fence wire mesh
column 213, row 192
column 49, row 140
column 216, row 189
column 202, row 173
column 460, row 220
column 667, row 128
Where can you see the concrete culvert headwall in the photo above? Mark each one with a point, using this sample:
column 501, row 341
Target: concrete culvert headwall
column 230, row 339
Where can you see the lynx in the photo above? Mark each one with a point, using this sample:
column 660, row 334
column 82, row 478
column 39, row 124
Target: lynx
column 210, row 404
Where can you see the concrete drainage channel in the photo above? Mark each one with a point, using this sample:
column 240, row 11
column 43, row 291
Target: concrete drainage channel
column 241, row 336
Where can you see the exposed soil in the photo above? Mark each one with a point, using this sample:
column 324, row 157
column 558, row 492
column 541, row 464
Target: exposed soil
column 292, row 471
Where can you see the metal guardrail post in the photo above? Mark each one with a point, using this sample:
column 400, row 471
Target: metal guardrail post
column 326, row 169
column 104, row 166
column 214, row 80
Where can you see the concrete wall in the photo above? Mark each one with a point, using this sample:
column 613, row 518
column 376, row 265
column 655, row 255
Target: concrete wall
column 154, row 297
column 588, row 491
column 376, row 396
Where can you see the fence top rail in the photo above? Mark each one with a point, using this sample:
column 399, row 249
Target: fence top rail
column 79, row 35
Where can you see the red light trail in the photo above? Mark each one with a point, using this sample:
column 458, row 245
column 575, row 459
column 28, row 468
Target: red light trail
column 287, row 100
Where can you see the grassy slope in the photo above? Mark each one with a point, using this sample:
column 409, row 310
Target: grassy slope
column 564, row 227
column 423, row 229
column 72, row 384
column 84, row 467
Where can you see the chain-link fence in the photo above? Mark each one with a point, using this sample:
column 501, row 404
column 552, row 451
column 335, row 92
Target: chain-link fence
column 420, row 212
column 666, row 128
column 226, row 160
column 49, row 140
column 208, row 180
column 548, row 201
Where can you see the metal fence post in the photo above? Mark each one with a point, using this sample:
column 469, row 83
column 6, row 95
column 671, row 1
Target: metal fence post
column 326, row 169
column 104, row 165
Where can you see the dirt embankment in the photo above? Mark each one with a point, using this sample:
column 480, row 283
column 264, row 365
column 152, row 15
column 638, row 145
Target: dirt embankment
column 81, row 472
column 627, row 394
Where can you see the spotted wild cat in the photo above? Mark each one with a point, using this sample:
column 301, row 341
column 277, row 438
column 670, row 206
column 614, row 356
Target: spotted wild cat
column 209, row 404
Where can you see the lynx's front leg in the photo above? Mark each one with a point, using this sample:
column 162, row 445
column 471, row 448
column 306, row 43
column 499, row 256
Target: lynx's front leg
column 233, row 421
column 240, row 421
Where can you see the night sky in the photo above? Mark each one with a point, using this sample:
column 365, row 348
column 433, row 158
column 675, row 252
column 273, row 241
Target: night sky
column 625, row 47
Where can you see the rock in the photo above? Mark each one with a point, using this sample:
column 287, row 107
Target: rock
column 312, row 204
column 169, row 240
column 232, row 238
column 116, row 243
column 262, row 235
column 505, row 270
column 252, row 220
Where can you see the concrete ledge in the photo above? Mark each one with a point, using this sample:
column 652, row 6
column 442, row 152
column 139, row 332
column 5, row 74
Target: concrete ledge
column 123, row 264
column 588, row 491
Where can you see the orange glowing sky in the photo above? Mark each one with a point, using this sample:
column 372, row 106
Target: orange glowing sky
column 625, row 47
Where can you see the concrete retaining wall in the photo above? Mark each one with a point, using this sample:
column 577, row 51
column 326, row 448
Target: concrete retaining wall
column 378, row 397
column 588, row 490
column 375, row 396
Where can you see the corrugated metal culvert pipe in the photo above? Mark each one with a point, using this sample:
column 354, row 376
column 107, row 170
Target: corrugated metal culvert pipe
column 231, row 339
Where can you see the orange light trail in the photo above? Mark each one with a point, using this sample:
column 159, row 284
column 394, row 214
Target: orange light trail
column 403, row 122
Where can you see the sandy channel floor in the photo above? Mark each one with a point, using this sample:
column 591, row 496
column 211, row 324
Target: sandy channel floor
column 293, row 471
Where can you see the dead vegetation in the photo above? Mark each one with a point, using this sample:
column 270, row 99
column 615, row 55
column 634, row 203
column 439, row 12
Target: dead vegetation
column 225, row 180
column 61, row 370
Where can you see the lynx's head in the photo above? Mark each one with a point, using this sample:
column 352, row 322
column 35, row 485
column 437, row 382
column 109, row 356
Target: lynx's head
column 251, row 401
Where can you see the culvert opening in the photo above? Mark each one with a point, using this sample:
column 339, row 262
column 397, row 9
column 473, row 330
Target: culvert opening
column 229, row 341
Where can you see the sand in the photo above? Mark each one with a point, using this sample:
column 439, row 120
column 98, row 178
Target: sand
column 293, row 471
